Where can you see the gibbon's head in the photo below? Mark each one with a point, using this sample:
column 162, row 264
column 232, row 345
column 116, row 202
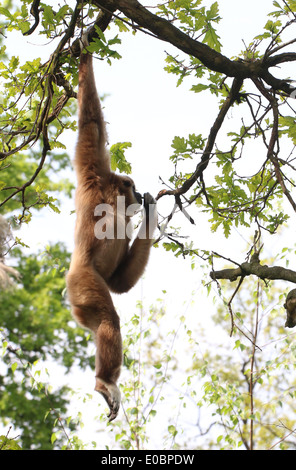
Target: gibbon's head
column 127, row 189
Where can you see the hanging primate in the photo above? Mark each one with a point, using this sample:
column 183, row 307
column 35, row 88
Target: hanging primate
column 102, row 262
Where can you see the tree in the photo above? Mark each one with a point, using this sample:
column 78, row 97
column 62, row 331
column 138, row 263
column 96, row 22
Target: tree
column 214, row 175
column 35, row 325
column 245, row 83
column 250, row 388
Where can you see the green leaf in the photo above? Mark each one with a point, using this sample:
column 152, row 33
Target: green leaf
column 157, row 365
column 8, row 444
column 198, row 88
column 48, row 14
column 172, row 430
column 5, row 12
column 117, row 156
column 179, row 144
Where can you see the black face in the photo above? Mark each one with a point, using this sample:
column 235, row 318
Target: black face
column 129, row 183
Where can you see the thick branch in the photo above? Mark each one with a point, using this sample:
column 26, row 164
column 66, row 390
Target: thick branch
column 35, row 10
column 275, row 60
column 255, row 268
column 166, row 31
column 212, row 59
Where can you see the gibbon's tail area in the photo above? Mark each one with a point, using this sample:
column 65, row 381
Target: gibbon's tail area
column 100, row 264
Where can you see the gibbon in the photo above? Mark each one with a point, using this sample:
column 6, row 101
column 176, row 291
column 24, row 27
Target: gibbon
column 101, row 262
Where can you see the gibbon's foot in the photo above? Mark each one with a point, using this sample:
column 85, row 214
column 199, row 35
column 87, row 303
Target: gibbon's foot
column 111, row 394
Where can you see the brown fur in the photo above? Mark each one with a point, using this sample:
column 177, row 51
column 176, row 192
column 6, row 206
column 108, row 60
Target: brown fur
column 101, row 265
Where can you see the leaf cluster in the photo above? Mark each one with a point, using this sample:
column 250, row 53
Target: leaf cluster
column 35, row 316
column 35, row 326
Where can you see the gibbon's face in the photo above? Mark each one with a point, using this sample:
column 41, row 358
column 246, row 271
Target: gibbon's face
column 128, row 189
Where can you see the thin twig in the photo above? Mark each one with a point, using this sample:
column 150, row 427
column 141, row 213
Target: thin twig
column 230, row 301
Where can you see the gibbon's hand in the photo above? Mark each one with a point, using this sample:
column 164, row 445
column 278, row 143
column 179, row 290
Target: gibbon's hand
column 150, row 208
column 149, row 204
column 150, row 217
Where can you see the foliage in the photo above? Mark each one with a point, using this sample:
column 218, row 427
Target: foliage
column 35, row 326
column 8, row 444
column 37, row 106
column 241, row 392
column 148, row 374
column 231, row 199
column 250, row 388
column 38, row 301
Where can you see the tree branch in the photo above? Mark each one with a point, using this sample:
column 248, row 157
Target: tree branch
column 255, row 268
column 271, row 154
column 202, row 165
column 35, row 10
column 215, row 61
column 46, row 112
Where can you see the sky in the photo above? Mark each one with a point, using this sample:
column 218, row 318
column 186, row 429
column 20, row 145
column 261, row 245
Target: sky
column 144, row 106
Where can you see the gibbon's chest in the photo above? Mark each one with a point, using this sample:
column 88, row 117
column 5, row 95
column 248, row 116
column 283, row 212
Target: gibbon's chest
column 111, row 223
column 109, row 256
column 111, row 242
column 103, row 235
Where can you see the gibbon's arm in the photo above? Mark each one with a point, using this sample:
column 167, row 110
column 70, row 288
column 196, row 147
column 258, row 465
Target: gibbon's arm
column 133, row 265
column 92, row 157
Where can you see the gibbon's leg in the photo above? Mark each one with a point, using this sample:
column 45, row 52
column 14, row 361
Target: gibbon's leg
column 93, row 308
column 133, row 265
column 91, row 152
